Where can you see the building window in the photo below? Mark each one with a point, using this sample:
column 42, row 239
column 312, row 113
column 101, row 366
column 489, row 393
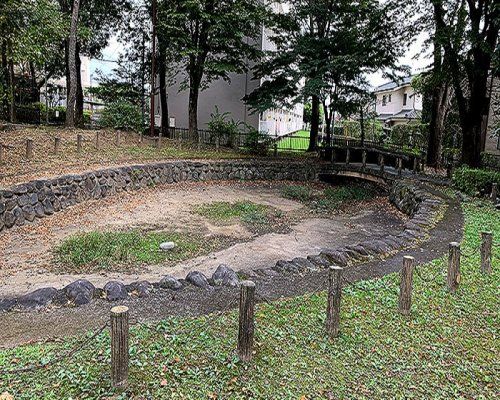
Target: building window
column 405, row 98
column 390, row 98
column 384, row 100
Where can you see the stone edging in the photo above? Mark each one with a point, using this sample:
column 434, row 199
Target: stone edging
column 410, row 197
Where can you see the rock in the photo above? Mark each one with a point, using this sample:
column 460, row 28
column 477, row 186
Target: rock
column 335, row 257
column 167, row 246
column 225, row 276
column 7, row 304
column 115, row 291
column 80, row 292
column 10, row 219
column 319, row 260
column 38, row 298
column 286, row 266
column 196, row 278
column 305, row 264
column 169, row 282
column 141, row 288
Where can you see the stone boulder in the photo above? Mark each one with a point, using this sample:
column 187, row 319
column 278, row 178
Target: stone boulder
column 39, row 298
column 7, row 304
column 115, row 291
column 197, row 279
column 169, row 282
column 141, row 288
column 80, row 292
column 225, row 276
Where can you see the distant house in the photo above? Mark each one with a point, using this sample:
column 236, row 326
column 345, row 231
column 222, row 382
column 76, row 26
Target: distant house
column 397, row 103
column 227, row 96
column 490, row 139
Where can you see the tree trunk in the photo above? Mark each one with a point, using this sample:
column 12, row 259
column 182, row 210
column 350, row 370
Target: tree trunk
column 362, row 124
column 313, row 139
column 162, row 71
column 34, row 92
column 79, row 122
column 5, row 79
column 440, row 95
column 12, row 83
column 73, row 86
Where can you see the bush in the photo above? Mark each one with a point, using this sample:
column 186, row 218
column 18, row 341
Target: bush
column 257, row 143
column 413, row 135
column 122, row 115
column 297, row 192
column 474, row 181
column 222, row 128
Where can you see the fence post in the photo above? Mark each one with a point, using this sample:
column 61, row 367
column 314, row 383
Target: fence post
column 117, row 138
column 416, row 162
column 119, row 347
column 275, row 148
column 364, row 159
column 406, row 285
column 57, row 144
column 2, row 155
column 333, row 156
column 453, row 278
column 333, row 302
column 486, row 245
column 29, row 149
column 494, row 192
column 382, row 163
column 399, row 164
column 347, row 156
column 79, row 143
column 246, row 325
column 97, row 140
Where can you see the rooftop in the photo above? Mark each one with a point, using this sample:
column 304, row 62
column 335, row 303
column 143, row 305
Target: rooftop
column 393, row 84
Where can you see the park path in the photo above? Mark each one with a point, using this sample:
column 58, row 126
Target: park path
column 19, row 328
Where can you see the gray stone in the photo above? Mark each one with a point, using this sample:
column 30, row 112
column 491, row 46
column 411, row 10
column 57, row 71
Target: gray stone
column 286, row 266
column 29, row 213
column 305, row 264
column 225, row 276
column 80, row 292
column 167, row 246
column 9, row 219
column 319, row 260
column 38, row 298
column 39, row 212
column 115, row 291
column 7, row 304
column 196, row 278
column 141, row 288
column 48, row 207
column 169, row 282
column 23, row 200
column 336, row 257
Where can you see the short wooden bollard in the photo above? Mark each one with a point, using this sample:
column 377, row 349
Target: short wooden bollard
column 347, row 157
column 119, row 347
column 117, row 138
column 415, row 165
column 57, row 144
column 453, row 278
column 333, row 302
column 2, row 154
column 29, row 149
column 494, row 192
column 406, row 285
column 486, row 246
column 364, row 159
column 246, row 325
column 381, row 163
column 399, row 165
column 79, row 140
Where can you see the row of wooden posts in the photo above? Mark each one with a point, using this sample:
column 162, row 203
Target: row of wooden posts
column 120, row 314
column 29, row 144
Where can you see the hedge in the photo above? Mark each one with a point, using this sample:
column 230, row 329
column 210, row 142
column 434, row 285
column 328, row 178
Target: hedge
column 474, row 181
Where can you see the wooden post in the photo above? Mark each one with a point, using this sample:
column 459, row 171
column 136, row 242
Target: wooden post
column 364, row 159
column 2, row 153
column 494, row 193
column 453, row 279
column 57, row 144
column 486, row 245
column 406, row 285
column 416, row 162
column 333, row 156
column 246, row 326
column 97, row 140
column 29, row 149
column 399, row 165
column 333, row 302
column 119, row 347
column 382, row 163
column 117, row 138
column 79, row 143
column 347, row 156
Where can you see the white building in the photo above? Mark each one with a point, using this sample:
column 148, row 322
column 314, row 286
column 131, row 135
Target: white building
column 397, row 103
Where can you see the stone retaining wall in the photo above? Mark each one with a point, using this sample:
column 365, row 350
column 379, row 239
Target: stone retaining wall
column 37, row 199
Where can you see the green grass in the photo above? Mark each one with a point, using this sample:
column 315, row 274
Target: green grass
column 95, row 251
column 330, row 198
column 298, row 141
column 447, row 349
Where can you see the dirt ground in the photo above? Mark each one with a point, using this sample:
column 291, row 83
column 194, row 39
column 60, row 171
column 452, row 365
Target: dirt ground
column 26, row 259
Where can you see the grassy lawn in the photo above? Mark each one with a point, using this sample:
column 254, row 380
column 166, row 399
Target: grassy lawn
column 447, row 349
column 98, row 251
column 330, row 198
column 257, row 217
column 298, row 141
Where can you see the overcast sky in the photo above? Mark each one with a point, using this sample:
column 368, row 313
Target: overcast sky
column 114, row 48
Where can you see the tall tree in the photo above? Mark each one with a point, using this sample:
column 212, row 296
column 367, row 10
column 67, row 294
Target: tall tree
column 213, row 39
column 72, row 66
column 323, row 44
column 470, row 47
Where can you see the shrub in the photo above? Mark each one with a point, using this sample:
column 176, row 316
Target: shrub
column 297, row 192
column 122, row 115
column 413, row 135
column 256, row 142
column 474, row 181
column 222, row 127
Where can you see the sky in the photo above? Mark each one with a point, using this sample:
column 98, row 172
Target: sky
column 112, row 51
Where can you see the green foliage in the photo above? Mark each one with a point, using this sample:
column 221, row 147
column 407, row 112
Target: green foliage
column 451, row 340
column 246, row 211
column 490, row 161
column 257, row 143
column 475, row 181
column 373, row 129
column 411, row 135
column 222, row 127
column 297, row 192
column 122, row 115
column 96, row 251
